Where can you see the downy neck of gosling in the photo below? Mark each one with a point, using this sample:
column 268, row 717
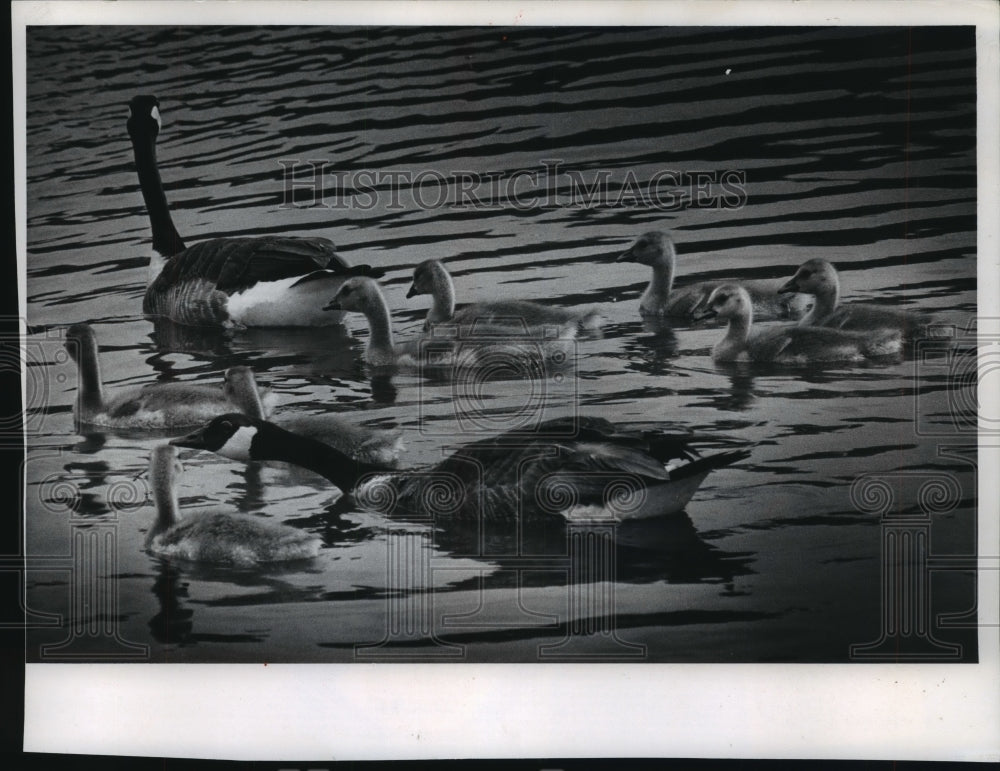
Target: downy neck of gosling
column 90, row 387
column 827, row 297
column 242, row 390
column 164, row 471
column 662, row 282
column 740, row 323
column 380, row 341
column 443, row 293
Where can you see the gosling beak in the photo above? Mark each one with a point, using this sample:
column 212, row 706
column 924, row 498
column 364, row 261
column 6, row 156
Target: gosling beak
column 789, row 286
column 412, row 291
column 195, row 440
column 626, row 256
column 707, row 312
column 333, row 305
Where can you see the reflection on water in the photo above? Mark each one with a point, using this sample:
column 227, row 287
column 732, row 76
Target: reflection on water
column 855, row 145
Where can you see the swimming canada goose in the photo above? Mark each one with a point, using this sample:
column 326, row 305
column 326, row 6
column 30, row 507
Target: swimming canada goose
column 215, row 536
column 593, row 472
column 819, row 278
column 656, row 250
column 431, row 277
column 366, row 445
column 484, row 347
column 268, row 281
column 156, row 406
column 788, row 344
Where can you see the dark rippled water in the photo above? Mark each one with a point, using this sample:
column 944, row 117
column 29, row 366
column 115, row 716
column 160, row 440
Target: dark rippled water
column 855, row 145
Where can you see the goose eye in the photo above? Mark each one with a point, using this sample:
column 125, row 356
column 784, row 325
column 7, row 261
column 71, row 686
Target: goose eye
column 805, row 273
column 226, row 425
column 721, row 299
column 345, row 291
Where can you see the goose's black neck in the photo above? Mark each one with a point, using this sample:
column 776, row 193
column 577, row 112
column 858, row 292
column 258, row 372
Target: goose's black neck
column 278, row 444
column 166, row 240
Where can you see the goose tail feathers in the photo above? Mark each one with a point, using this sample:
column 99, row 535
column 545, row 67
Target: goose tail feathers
column 338, row 274
column 590, row 320
column 709, row 463
column 383, row 448
column 885, row 343
column 364, row 270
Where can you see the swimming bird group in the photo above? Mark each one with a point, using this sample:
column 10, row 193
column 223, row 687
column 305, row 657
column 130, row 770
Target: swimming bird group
column 825, row 332
column 291, row 281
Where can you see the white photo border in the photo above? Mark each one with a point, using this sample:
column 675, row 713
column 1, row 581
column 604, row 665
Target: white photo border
column 415, row 711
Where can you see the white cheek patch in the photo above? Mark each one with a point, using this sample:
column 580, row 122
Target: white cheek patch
column 155, row 115
column 238, row 446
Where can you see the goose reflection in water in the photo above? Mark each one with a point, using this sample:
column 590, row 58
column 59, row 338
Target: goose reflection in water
column 305, row 352
column 739, row 396
column 662, row 344
column 645, row 551
column 652, row 354
column 174, row 621
column 169, row 337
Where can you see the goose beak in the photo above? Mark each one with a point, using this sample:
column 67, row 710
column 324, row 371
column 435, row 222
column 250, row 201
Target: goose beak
column 704, row 313
column 789, row 286
column 412, row 291
column 195, row 440
column 626, row 256
column 333, row 305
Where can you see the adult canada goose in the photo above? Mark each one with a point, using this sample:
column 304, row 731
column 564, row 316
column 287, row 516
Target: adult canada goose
column 366, row 445
column 819, row 278
column 215, row 536
column 573, row 471
column 156, row 406
column 656, row 250
column 431, row 277
column 788, row 344
column 268, row 281
column 486, row 346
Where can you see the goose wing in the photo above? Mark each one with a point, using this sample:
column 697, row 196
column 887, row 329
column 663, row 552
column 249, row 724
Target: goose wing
column 536, row 480
column 511, row 313
column 568, row 462
column 236, row 539
column 686, row 300
column 661, row 444
column 809, row 344
column 770, row 345
column 167, row 405
column 862, row 317
column 233, row 264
